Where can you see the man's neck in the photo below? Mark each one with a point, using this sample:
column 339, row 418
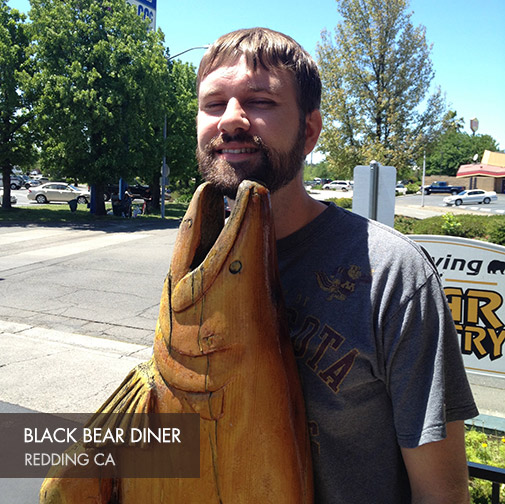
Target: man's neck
column 293, row 208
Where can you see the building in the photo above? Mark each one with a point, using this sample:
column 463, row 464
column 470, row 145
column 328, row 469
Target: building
column 489, row 174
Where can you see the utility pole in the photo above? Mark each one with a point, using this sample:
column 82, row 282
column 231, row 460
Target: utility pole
column 165, row 170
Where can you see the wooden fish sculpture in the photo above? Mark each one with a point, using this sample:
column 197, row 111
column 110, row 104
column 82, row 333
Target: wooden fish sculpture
column 221, row 349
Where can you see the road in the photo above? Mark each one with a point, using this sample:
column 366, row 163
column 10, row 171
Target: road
column 407, row 205
column 102, row 281
column 431, row 204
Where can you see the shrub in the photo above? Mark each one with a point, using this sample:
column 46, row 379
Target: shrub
column 497, row 233
column 451, row 225
column 405, row 224
column 478, row 227
column 484, row 449
column 413, row 188
column 342, row 202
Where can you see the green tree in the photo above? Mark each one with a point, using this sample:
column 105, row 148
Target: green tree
column 376, row 75
column 181, row 126
column 454, row 148
column 102, row 83
column 16, row 114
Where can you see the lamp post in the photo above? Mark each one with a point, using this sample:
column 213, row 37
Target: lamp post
column 165, row 170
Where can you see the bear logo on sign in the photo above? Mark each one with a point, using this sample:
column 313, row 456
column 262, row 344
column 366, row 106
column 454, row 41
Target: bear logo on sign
column 495, row 266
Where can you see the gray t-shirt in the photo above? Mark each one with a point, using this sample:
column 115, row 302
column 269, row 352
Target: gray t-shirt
column 377, row 352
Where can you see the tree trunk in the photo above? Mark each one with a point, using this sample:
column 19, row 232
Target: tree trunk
column 6, row 177
column 99, row 200
column 154, row 185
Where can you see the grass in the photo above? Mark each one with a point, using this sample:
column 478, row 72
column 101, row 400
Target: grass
column 60, row 213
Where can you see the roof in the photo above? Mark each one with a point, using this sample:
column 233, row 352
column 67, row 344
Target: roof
column 493, row 158
column 484, row 170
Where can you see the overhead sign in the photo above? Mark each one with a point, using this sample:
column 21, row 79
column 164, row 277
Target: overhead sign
column 473, row 277
column 146, row 9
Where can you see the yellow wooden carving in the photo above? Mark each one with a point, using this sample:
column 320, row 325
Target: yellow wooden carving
column 221, row 349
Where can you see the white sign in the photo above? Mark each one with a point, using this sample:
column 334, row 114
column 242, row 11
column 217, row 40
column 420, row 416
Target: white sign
column 375, row 199
column 146, row 9
column 473, row 277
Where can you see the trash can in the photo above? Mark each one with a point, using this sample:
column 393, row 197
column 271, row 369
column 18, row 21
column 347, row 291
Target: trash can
column 73, row 205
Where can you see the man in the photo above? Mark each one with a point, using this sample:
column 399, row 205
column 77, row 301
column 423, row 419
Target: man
column 385, row 389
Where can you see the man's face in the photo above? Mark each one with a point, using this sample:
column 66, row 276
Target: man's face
column 249, row 127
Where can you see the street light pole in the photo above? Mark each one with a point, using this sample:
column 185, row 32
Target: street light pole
column 165, row 171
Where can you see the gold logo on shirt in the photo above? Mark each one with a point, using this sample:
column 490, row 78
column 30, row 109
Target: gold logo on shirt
column 340, row 285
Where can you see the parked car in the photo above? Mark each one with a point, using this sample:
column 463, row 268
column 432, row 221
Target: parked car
column 400, row 189
column 322, row 181
column 57, row 191
column 339, row 185
column 471, row 196
column 14, row 200
column 136, row 190
column 443, row 187
column 16, row 182
column 35, row 183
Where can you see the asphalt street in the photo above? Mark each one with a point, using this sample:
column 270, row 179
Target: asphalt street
column 100, row 281
column 78, row 308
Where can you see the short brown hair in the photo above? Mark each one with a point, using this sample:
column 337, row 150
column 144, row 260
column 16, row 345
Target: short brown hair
column 270, row 49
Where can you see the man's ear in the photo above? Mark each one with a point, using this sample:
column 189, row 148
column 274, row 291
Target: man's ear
column 313, row 126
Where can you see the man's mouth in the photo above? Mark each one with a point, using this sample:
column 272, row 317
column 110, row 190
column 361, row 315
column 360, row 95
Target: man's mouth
column 245, row 150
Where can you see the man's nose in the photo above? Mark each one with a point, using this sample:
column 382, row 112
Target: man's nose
column 234, row 118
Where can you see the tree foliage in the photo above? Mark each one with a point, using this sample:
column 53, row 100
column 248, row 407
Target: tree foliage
column 455, row 148
column 102, row 83
column 181, row 125
column 451, row 147
column 376, row 74
column 16, row 139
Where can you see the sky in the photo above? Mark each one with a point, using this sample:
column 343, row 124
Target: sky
column 468, row 39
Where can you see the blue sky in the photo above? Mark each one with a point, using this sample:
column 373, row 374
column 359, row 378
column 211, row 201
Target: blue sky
column 468, row 38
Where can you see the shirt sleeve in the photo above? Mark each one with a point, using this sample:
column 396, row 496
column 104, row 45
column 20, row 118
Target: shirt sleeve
column 425, row 375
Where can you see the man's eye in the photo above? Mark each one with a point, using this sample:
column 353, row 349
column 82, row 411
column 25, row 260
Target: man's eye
column 261, row 102
column 213, row 106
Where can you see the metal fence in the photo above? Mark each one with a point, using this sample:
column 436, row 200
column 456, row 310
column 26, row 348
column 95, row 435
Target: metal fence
column 494, row 474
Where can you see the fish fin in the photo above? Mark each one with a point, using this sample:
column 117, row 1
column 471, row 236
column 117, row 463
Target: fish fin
column 124, row 408
column 66, row 490
column 61, row 486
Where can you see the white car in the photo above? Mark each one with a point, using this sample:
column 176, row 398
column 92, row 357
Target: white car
column 400, row 189
column 340, row 185
column 471, row 196
column 57, row 191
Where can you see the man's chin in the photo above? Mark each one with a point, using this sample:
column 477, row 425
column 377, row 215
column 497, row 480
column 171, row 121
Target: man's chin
column 228, row 176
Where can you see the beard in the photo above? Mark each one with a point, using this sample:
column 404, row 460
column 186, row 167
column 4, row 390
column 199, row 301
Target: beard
column 272, row 168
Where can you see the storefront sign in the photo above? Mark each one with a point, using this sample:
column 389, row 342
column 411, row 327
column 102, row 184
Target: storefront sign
column 146, row 9
column 473, row 277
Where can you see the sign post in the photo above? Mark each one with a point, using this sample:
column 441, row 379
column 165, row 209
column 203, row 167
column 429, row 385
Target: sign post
column 374, row 192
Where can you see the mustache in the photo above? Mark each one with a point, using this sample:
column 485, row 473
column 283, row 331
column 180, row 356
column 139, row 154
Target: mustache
column 241, row 137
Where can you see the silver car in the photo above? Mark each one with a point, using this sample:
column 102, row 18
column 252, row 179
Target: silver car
column 471, row 196
column 57, row 191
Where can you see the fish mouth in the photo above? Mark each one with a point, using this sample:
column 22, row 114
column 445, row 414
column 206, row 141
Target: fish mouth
column 204, row 240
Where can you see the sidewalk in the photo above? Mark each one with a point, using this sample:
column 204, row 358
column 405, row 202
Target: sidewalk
column 59, row 372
